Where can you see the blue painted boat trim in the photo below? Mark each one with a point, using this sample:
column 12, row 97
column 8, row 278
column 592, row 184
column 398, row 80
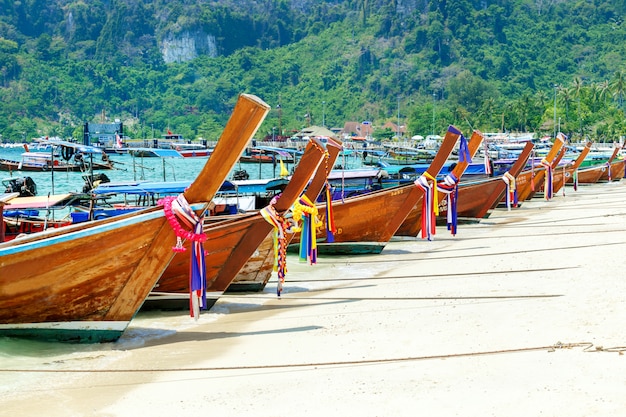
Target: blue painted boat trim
column 97, row 228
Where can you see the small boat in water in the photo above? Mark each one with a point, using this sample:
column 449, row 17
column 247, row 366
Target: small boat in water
column 64, row 156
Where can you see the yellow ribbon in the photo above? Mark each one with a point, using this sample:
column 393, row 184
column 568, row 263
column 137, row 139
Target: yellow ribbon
column 435, row 192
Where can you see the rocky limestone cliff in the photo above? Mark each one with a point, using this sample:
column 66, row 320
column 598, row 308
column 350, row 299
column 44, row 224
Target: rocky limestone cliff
column 187, row 46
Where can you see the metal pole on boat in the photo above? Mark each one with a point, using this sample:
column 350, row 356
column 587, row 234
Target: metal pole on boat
column 52, row 168
column 45, row 220
column 555, row 88
column 274, row 163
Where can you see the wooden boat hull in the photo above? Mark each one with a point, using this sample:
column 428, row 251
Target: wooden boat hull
column 411, row 225
column 257, row 271
column 591, row 175
column 222, row 239
column 616, row 171
column 565, row 174
column 255, row 274
column 85, row 282
column 477, row 198
column 233, row 240
column 529, row 182
column 366, row 223
column 99, row 267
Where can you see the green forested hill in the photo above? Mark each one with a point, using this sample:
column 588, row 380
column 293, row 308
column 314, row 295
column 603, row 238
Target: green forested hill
column 485, row 64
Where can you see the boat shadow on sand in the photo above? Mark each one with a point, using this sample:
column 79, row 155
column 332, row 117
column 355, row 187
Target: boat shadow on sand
column 196, row 336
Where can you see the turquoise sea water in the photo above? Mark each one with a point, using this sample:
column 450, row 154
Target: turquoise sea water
column 128, row 168
column 19, row 358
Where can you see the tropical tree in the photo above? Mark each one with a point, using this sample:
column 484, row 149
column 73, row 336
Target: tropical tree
column 618, row 87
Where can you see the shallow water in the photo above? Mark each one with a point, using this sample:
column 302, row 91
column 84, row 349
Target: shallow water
column 22, row 361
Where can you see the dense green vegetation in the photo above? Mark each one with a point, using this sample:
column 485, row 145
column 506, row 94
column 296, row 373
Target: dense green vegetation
column 491, row 65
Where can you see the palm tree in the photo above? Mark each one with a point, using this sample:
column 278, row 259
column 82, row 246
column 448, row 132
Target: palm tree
column 577, row 91
column 618, row 86
column 594, row 93
column 605, row 88
column 565, row 97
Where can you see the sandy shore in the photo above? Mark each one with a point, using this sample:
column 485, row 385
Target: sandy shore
column 520, row 314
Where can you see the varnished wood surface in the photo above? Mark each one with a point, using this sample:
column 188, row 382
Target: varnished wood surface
column 411, row 225
column 104, row 270
column 531, row 180
column 230, row 244
column 375, row 216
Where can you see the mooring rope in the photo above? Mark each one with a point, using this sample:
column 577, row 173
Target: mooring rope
column 587, row 347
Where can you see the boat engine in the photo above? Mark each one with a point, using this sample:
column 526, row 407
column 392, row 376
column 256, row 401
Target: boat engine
column 241, row 174
column 23, row 185
column 91, row 183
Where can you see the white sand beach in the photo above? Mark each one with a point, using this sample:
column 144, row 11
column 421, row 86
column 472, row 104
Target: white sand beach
column 520, row 314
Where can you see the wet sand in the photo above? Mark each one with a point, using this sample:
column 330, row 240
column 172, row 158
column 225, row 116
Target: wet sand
column 520, row 314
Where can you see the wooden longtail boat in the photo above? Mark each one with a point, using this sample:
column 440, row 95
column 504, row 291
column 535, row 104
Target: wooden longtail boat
column 365, row 223
column 255, row 274
column 412, row 224
column 529, row 181
column 567, row 172
column 612, row 170
column 232, row 240
column 476, row 198
column 615, row 172
column 85, row 282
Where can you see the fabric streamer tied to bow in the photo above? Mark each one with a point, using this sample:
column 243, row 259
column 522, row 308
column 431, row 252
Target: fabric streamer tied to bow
column 305, row 215
column 547, row 187
column 281, row 227
column 464, row 152
column 430, row 205
column 511, row 190
column 177, row 210
column 450, row 186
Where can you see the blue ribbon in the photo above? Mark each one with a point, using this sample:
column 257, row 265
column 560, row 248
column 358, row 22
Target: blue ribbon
column 464, row 152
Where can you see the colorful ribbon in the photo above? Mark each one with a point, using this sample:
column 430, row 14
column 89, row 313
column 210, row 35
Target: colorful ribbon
column 532, row 172
column 178, row 209
column 450, row 186
column 430, row 205
column 281, row 227
column 331, row 229
column 464, row 152
column 547, row 185
column 511, row 190
column 486, row 159
column 305, row 211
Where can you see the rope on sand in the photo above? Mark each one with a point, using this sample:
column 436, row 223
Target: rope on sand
column 460, row 297
column 587, row 347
